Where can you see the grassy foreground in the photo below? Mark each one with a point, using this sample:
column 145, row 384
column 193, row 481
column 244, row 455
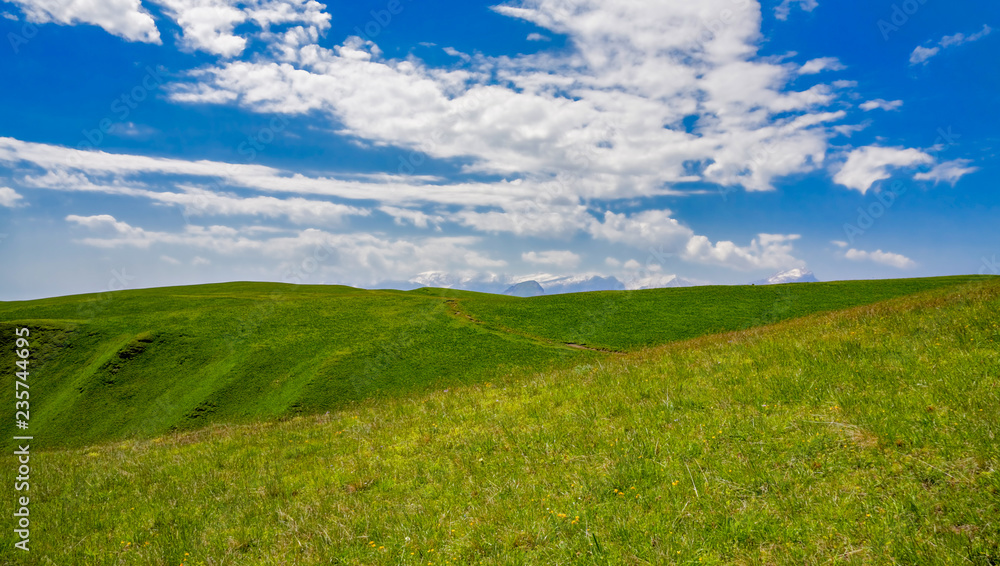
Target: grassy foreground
column 139, row 363
column 866, row 436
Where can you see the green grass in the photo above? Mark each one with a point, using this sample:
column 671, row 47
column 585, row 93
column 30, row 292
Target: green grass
column 138, row 363
column 866, row 436
column 143, row 362
column 617, row 320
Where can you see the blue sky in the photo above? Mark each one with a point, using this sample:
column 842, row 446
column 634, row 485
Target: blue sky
column 394, row 142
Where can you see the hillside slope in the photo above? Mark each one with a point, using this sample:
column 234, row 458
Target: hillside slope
column 143, row 362
column 866, row 436
column 137, row 363
column 627, row 320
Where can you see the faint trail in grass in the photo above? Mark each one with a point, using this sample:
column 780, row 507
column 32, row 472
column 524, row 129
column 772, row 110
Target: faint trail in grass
column 457, row 311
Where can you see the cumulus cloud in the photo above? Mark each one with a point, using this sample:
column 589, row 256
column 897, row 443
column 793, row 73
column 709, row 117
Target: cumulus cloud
column 880, row 104
column 418, row 218
column 821, row 64
column 556, row 258
column 878, row 256
column 782, row 11
column 771, row 251
column 124, row 18
column 645, row 99
column 867, row 165
column 355, row 258
column 921, row 54
column 611, row 107
column 209, row 25
column 658, row 228
column 948, row 172
column 9, row 197
column 649, row 227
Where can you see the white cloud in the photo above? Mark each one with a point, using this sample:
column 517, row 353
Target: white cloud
column 784, row 9
column 960, row 38
column 839, row 243
column 200, row 202
column 538, row 37
column 632, row 265
column 418, row 218
column 101, row 221
column 922, row 54
column 658, row 228
column 848, row 130
column 353, row 258
column 124, row 18
column 948, row 172
column 821, row 64
column 9, row 197
column 170, row 260
column 72, row 169
column 771, row 251
column 867, row 165
column 197, row 201
column 522, row 208
column 881, row 104
column 649, row 227
column 878, row 256
column 612, row 262
column 558, row 258
column 209, row 25
column 647, row 280
column 529, row 218
column 610, row 108
column 198, row 260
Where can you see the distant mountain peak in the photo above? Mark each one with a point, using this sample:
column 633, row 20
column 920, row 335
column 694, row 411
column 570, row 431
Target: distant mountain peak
column 795, row 275
column 525, row 289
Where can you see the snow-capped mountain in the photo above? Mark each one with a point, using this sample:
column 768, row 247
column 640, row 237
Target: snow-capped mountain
column 796, row 275
column 554, row 284
column 525, row 289
column 657, row 282
column 549, row 283
column 481, row 282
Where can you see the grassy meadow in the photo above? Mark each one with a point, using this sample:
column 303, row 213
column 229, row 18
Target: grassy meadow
column 860, row 436
column 139, row 363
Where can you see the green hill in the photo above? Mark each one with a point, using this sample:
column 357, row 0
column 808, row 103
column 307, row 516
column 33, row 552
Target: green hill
column 865, row 436
column 143, row 362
